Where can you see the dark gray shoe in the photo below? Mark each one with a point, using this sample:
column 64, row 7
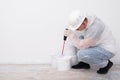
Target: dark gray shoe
column 105, row 69
column 81, row 65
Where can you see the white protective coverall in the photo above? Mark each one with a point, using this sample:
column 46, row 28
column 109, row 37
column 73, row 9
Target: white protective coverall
column 96, row 53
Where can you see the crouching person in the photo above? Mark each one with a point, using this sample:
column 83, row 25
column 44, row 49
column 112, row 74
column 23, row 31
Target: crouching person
column 93, row 40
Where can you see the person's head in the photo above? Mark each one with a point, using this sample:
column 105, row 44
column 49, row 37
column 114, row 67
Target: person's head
column 77, row 21
column 83, row 25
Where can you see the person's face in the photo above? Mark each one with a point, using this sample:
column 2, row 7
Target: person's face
column 83, row 25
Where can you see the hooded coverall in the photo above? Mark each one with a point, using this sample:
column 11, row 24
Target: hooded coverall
column 97, row 54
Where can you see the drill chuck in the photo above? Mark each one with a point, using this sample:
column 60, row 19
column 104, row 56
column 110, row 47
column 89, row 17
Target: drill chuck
column 65, row 37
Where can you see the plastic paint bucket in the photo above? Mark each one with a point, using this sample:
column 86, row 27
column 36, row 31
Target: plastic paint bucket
column 54, row 60
column 64, row 63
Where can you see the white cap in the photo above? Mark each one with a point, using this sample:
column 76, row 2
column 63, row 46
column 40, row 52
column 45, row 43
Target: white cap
column 75, row 20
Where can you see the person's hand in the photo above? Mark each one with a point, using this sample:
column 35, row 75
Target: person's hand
column 68, row 32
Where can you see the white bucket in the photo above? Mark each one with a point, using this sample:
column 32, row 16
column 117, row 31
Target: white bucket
column 54, row 60
column 63, row 63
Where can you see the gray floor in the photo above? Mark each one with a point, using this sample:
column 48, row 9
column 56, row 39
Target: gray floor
column 46, row 72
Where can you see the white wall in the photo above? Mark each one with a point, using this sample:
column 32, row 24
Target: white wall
column 32, row 30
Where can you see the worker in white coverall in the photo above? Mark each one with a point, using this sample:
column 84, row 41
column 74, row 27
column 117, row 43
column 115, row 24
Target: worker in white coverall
column 93, row 41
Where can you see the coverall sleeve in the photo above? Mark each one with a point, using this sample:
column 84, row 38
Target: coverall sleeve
column 92, row 35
